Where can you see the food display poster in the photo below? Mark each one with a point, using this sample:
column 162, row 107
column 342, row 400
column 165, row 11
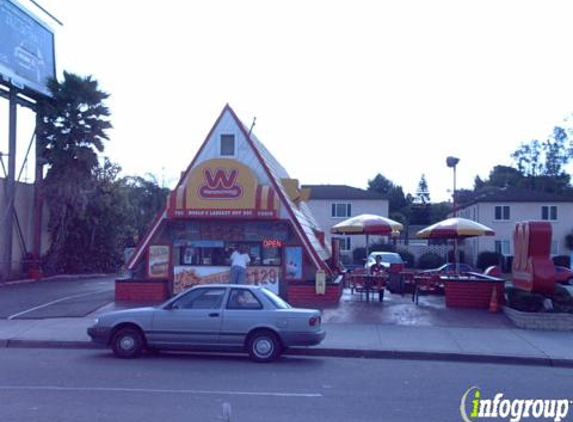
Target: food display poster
column 185, row 277
column 158, row 262
column 293, row 263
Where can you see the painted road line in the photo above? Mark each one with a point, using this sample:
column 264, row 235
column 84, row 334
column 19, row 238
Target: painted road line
column 155, row 391
column 45, row 305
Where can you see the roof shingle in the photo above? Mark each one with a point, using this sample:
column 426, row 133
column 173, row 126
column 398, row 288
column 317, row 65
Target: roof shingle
column 341, row 192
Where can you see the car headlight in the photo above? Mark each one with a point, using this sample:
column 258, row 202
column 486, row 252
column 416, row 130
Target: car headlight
column 96, row 322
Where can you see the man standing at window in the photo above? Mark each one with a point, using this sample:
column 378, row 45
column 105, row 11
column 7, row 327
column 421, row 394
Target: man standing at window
column 239, row 260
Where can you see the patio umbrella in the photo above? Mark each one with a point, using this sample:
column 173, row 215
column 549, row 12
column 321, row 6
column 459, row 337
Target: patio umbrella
column 367, row 224
column 455, row 228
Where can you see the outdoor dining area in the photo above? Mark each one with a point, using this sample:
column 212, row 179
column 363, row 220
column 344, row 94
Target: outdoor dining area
column 461, row 289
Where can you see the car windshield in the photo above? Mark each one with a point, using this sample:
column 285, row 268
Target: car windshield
column 390, row 258
column 275, row 299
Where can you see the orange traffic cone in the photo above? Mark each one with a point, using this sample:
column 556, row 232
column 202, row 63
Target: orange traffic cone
column 493, row 303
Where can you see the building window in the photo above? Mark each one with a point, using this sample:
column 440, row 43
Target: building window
column 549, row 212
column 502, row 247
column 345, row 244
column 218, row 253
column 228, row 145
column 502, row 213
column 554, row 247
column 341, row 210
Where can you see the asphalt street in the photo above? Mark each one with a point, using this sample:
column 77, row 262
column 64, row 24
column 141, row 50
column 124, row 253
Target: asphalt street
column 39, row 385
column 75, row 297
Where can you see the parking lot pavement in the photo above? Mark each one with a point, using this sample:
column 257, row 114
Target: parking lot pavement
column 58, row 297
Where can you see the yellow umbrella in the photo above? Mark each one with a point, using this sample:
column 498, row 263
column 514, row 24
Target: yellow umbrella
column 455, row 228
column 367, row 224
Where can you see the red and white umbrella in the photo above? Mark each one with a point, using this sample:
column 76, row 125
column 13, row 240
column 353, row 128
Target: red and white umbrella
column 455, row 228
column 367, row 224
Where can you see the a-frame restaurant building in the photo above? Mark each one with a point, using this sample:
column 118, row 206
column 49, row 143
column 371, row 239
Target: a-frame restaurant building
column 234, row 192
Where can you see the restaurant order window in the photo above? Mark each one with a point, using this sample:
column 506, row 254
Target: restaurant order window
column 267, row 252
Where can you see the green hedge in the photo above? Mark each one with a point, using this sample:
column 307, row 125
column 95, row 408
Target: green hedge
column 430, row 260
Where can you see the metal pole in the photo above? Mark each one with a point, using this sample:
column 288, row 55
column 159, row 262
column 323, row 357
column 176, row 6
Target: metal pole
column 456, row 260
column 38, row 204
column 455, row 203
column 6, row 261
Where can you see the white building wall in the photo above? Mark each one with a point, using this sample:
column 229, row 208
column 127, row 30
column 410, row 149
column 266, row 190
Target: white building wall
column 322, row 211
column 522, row 212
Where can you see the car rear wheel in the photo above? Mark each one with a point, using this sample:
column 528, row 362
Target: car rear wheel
column 264, row 346
column 127, row 343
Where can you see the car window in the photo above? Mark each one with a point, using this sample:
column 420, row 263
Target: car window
column 392, row 258
column 201, row 299
column 183, row 301
column 276, row 300
column 243, row 299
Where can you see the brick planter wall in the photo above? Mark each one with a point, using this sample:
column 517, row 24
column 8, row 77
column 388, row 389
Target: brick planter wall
column 305, row 294
column 472, row 294
column 141, row 291
column 540, row 320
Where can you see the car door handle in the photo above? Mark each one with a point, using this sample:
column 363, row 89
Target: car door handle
column 214, row 314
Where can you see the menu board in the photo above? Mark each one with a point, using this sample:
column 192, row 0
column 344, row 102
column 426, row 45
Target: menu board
column 158, row 262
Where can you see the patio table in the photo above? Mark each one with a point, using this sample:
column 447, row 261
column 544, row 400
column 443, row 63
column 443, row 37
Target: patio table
column 366, row 283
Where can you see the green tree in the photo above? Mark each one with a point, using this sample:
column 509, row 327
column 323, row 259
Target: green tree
column 423, row 193
column 546, row 158
column 71, row 131
column 528, row 158
column 557, row 152
column 396, row 198
column 501, row 177
column 146, row 198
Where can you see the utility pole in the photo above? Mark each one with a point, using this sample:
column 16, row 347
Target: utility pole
column 7, row 226
column 38, row 205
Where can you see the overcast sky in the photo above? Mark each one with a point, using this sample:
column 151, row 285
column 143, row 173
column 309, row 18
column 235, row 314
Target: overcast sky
column 341, row 90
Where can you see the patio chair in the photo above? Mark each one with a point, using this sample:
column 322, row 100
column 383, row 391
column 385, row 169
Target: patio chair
column 425, row 285
column 356, row 281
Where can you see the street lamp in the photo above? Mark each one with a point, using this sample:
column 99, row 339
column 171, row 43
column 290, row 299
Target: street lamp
column 452, row 162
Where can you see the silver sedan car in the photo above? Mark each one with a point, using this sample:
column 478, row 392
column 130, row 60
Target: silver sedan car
column 212, row 317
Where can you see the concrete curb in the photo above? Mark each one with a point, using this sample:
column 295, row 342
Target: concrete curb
column 432, row 356
column 49, row 344
column 331, row 352
column 55, row 277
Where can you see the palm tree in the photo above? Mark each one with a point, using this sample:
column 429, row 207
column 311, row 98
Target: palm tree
column 71, row 132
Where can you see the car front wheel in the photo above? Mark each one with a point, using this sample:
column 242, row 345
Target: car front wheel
column 127, row 343
column 264, row 346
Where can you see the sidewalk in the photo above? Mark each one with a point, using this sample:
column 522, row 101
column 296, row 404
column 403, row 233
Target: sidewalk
column 369, row 340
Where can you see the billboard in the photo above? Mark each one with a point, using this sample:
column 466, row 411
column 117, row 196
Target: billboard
column 26, row 48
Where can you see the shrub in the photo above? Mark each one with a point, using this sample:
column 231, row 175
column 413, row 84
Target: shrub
column 562, row 299
column 345, row 259
column 461, row 255
column 430, row 260
column 359, row 256
column 408, row 258
column 382, row 247
column 487, row 259
column 562, row 260
column 524, row 301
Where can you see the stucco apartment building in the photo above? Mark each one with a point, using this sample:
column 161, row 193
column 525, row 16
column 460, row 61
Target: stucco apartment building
column 331, row 204
column 502, row 209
